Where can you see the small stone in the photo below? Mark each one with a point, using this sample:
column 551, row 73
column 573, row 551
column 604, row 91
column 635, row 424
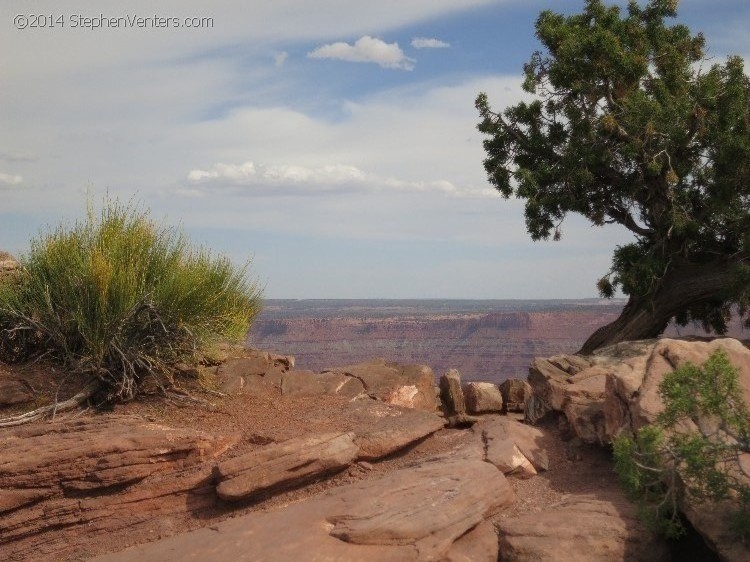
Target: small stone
column 452, row 394
column 483, row 398
column 515, row 393
column 513, row 447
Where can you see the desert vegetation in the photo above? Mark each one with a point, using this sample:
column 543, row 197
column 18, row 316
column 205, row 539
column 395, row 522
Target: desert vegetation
column 692, row 449
column 117, row 298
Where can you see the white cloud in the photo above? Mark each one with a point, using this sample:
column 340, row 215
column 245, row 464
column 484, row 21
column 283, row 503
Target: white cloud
column 9, row 180
column 280, row 58
column 293, row 179
column 366, row 49
column 425, row 43
column 249, row 173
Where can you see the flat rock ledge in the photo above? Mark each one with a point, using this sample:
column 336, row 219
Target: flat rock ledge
column 416, row 513
column 290, row 463
column 101, row 474
column 581, row 529
column 99, row 453
column 111, row 472
column 378, row 431
column 381, row 429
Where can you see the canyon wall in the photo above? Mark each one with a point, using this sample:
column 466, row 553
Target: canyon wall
column 484, row 340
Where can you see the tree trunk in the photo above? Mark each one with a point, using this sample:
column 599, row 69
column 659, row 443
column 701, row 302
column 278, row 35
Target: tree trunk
column 648, row 316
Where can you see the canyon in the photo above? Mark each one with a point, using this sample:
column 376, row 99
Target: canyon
column 486, row 340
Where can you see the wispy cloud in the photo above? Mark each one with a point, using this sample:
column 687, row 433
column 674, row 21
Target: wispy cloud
column 280, row 58
column 13, row 157
column 428, row 43
column 9, row 180
column 366, row 49
column 290, row 179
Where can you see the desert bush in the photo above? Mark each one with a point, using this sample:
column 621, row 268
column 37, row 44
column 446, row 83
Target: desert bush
column 692, row 449
column 117, row 297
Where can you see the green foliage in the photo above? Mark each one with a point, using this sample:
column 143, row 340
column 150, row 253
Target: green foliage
column 672, row 457
column 118, row 297
column 628, row 123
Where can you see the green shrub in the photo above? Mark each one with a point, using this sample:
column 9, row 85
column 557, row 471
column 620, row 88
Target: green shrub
column 668, row 459
column 118, row 297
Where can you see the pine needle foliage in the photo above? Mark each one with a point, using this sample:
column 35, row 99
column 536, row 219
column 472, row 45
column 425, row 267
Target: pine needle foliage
column 117, row 297
column 628, row 122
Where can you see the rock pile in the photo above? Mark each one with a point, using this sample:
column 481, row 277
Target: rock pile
column 616, row 390
column 66, row 483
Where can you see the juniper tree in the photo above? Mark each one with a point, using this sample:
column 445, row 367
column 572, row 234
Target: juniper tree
column 630, row 123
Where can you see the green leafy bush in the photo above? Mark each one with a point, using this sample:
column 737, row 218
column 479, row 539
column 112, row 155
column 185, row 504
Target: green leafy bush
column 692, row 448
column 117, row 297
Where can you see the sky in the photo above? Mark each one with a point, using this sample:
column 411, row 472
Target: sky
column 331, row 142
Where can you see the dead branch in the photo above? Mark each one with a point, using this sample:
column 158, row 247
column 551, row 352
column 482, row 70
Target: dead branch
column 56, row 408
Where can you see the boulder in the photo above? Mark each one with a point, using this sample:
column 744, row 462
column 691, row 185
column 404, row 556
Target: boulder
column 631, row 373
column 15, row 391
column 307, row 383
column 301, row 383
column 581, row 529
column 382, row 429
column 513, row 447
column 432, row 504
column 341, row 385
column 515, row 392
column 618, row 391
column 580, row 396
column 257, row 372
column 548, row 383
column 284, row 465
column 411, row 386
column 415, row 513
column 451, row 393
column 483, row 398
column 223, row 352
column 633, row 401
column 632, row 398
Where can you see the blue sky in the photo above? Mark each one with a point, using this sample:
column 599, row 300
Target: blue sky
column 331, row 141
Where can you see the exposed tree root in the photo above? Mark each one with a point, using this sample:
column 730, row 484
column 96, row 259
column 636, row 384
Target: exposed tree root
column 182, row 398
column 52, row 410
